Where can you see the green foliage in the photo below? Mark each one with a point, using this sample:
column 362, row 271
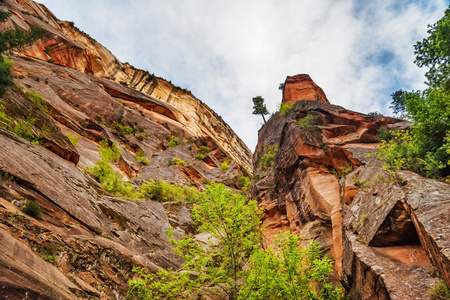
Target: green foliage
column 307, row 123
column 385, row 134
column 22, row 127
column 439, row 291
column 5, row 75
column 286, row 107
column 122, row 128
column 202, row 151
column 177, row 162
column 398, row 103
column 290, row 272
column 225, row 166
column 143, row 160
column 200, row 156
column 281, row 86
column 13, row 39
column 73, row 138
column 104, row 173
column 259, row 108
column 33, row 209
column 375, row 113
column 434, row 52
column 164, row 192
column 243, row 181
column 37, row 98
column 269, row 154
column 232, row 222
column 173, row 141
column 231, row 264
column 424, row 150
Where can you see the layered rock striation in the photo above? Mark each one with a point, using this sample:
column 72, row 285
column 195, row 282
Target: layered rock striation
column 65, row 45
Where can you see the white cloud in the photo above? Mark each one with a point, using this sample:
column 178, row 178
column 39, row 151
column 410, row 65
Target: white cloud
column 227, row 52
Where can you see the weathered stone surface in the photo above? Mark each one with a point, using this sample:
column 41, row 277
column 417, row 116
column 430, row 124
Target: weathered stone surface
column 405, row 211
column 300, row 193
column 385, row 273
column 302, row 87
column 30, row 274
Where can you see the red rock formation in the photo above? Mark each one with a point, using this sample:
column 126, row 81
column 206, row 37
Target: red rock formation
column 302, row 193
column 302, row 87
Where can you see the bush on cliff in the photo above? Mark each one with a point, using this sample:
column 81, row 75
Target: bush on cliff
column 232, row 264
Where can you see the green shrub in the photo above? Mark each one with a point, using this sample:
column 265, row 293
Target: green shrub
column 243, row 181
column 269, row 155
column 141, row 158
column 439, row 291
column 32, row 209
column 37, row 98
column 307, row 123
column 5, row 75
column 172, row 141
column 200, row 156
column 104, row 173
column 73, row 138
column 285, row 108
column 177, row 162
column 385, row 134
column 164, row 192
column 225, row 166
column 203, row 149
column 107, row 153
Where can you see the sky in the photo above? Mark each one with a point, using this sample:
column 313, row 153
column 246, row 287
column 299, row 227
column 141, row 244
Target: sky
column 227, row 51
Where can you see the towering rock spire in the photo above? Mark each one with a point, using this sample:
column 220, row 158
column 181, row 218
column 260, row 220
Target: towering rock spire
column 302, row 87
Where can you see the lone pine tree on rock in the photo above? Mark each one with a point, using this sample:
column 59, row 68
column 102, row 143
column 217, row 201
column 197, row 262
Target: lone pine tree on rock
column 259, row 108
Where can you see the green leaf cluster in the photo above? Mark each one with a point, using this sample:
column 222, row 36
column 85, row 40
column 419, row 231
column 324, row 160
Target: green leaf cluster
column 164, row 192
column 22, row 127
column 33, row 209
column 202, row 151
column 104, row 173
column 37, row 98
column 225, row 166
column 139, row 156
column 270, row 153
column 286, row 107
column 173, row 141
column 177, row 162
column 73, row 138
column 307, row 123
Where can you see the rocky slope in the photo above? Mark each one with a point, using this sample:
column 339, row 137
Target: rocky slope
column 65, row 45
column 87, row 241
column 387, row 236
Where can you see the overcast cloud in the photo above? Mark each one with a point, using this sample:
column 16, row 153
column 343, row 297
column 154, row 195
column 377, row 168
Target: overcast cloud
column 227, row 52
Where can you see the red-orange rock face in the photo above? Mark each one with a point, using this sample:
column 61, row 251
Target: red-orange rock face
column 302, row 87
column 323, row 186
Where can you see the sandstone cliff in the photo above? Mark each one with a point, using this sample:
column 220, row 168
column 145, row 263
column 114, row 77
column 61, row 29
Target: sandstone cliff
column 65, row 45
column 87, row 240
column 386, row 236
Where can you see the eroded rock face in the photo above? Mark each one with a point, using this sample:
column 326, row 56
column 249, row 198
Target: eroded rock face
column 387, row 234
column 65, row 45
column 301, row 192
column 397, row 231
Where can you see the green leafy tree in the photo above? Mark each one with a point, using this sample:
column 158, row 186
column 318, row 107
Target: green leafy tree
column 434, row 52
column 428, row 143
column 259, row 108
column 232, row 264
